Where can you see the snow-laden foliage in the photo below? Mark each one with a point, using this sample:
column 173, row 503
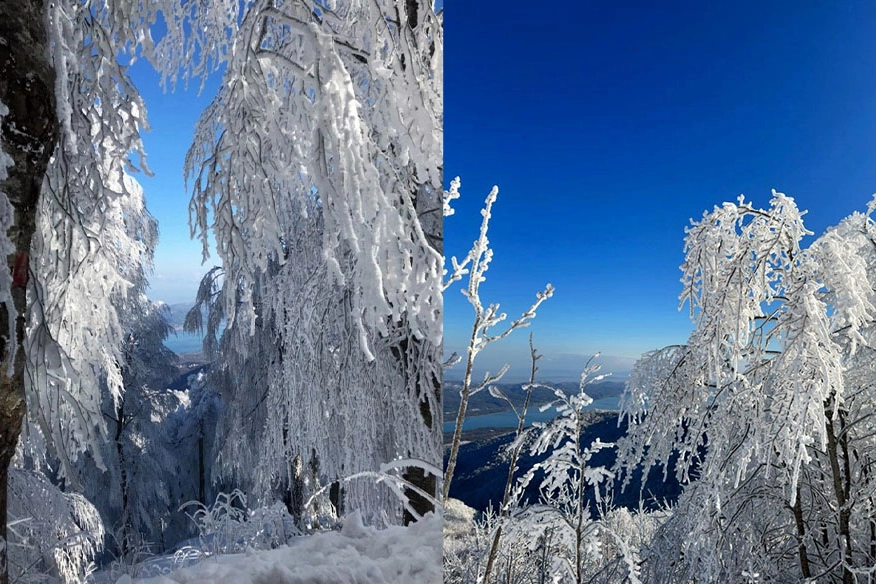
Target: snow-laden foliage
column 514, row 451
column 463, row 544
column 324, row 144
column 94, row 237
column 338, row 105
column 50, row 532
column 566, row 476
column 319, row 165
column 191, row 434
column 227, row 526
column 532, row 549
column 562, row 537
column 468, row 544
column 334, row 104
column 133, row 491
column 769, row 406
column 557, row 540
column 298, row 388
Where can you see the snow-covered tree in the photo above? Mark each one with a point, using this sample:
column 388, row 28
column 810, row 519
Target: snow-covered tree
column 336, row 104
column 567, row 476
column 769, row 406
column 469, row 539
column 515, row 451
column 339, row 103
column 133, row 492
column 319, row 162
column 298, row 383
column 53, row 533
column 75, row 231
column 28, row 133
column 192, row 434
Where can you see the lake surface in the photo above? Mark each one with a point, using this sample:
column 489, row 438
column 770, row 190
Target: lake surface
column 509, row 419
column 184, row 343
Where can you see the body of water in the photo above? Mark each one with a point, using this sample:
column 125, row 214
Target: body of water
column 184, row 343
column 509, row 419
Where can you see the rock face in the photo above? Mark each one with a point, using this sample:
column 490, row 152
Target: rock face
column 482, row 469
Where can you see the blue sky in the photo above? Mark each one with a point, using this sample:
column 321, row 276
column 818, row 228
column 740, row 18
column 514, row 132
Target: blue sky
column 607, row 126
column 172, row 117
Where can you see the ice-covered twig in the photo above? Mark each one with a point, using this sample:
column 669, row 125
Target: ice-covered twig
column 475, row 266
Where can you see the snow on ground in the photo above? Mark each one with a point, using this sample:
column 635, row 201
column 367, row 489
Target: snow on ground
column 357, row 554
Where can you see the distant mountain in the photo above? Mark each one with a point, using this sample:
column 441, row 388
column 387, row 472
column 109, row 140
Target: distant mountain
column 177, row 314
column 483, row 403
column 554, row 366
column 188, row 346
column 482, row 468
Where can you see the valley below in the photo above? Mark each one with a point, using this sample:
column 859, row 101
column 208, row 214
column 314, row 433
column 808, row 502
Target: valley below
column 484, row 454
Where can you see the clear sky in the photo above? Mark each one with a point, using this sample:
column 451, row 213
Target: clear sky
column 608, row 125
column 172, row 117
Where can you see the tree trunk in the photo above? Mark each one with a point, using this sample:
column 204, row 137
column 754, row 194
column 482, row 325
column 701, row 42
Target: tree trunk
column 294, row 495
column 579, row 527
column 494, row 549
column 805, row 570
column 28, row 134
column 336, row 497
column 123, row 480
column 410, row 353
column 841, row 497
column 865, row 474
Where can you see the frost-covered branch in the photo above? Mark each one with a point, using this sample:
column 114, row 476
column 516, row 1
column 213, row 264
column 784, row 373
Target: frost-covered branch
column 342, row 114
column 767, row 411
column 516, row 447
column 567, row 472
column 317, row 169
column 475, row 266
column 51, row 532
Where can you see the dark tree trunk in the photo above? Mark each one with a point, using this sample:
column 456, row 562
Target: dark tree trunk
column 840, row 492
column 336, row 497
column 799, row 521
column 28, row 135
column 410, row 355
column 417, row 476
column 313, row 465
column 422, row 480
column 123, row 480
column 293, row 497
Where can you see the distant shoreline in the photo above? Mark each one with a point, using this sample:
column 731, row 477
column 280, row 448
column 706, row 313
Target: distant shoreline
column 508, row 419
column 192, row 359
